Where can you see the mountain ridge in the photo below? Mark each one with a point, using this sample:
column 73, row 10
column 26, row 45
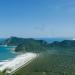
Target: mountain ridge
column 32, row 45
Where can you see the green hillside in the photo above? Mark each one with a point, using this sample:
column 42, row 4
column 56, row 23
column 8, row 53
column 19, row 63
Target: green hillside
column 1, row 73
column 26, row 44
column 57, row 58
column 50, row 64
column 32, row 45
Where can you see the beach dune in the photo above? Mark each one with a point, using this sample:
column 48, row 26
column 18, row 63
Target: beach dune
column 12, row 65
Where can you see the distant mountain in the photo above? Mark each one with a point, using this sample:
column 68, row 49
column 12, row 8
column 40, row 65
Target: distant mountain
column 26, row 44
column 13, row 41
column 64, row 47
column 32, row 45
column 64, row 43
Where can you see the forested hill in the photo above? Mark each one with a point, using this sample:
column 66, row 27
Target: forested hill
column 63, row 44
column 32, row 45
column 26, row 44
column 14, row 41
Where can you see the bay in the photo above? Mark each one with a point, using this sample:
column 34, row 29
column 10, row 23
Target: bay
column 6, row 53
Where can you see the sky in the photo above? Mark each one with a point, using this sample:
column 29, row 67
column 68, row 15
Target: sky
column 37, row 18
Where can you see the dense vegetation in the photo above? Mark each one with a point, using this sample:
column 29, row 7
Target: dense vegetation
column 26, row 44
column 32, row 45
column 57, row 58
column 13, row 41
column 50, row 64
column 66, row 46
column 1, row 73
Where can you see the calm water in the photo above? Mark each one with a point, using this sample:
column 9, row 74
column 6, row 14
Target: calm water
column 6, row 53
column 50, row 40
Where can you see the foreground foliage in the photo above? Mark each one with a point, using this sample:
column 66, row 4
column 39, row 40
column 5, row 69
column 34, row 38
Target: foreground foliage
column 50, row 64
column 58, row 59
column 1, row 73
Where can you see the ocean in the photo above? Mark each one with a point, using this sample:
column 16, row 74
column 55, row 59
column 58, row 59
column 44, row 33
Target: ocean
column 50, row 40
column 6, row 52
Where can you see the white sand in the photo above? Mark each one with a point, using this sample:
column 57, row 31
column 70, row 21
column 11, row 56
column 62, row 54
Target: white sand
column 17, row 62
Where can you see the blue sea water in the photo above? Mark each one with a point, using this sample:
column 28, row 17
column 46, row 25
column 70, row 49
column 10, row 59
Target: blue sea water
column 50, row 40
column 6, row 53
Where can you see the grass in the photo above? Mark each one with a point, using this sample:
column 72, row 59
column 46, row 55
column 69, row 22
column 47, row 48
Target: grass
column 1, row 73
column 50, row 64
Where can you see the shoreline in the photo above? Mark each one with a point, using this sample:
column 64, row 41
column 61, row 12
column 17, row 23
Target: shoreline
column 7, row 53
column 15, row 63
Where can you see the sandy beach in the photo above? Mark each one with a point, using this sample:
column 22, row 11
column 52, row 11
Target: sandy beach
column 14, row 64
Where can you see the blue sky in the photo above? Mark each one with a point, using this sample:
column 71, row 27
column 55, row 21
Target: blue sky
column 37, row 18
